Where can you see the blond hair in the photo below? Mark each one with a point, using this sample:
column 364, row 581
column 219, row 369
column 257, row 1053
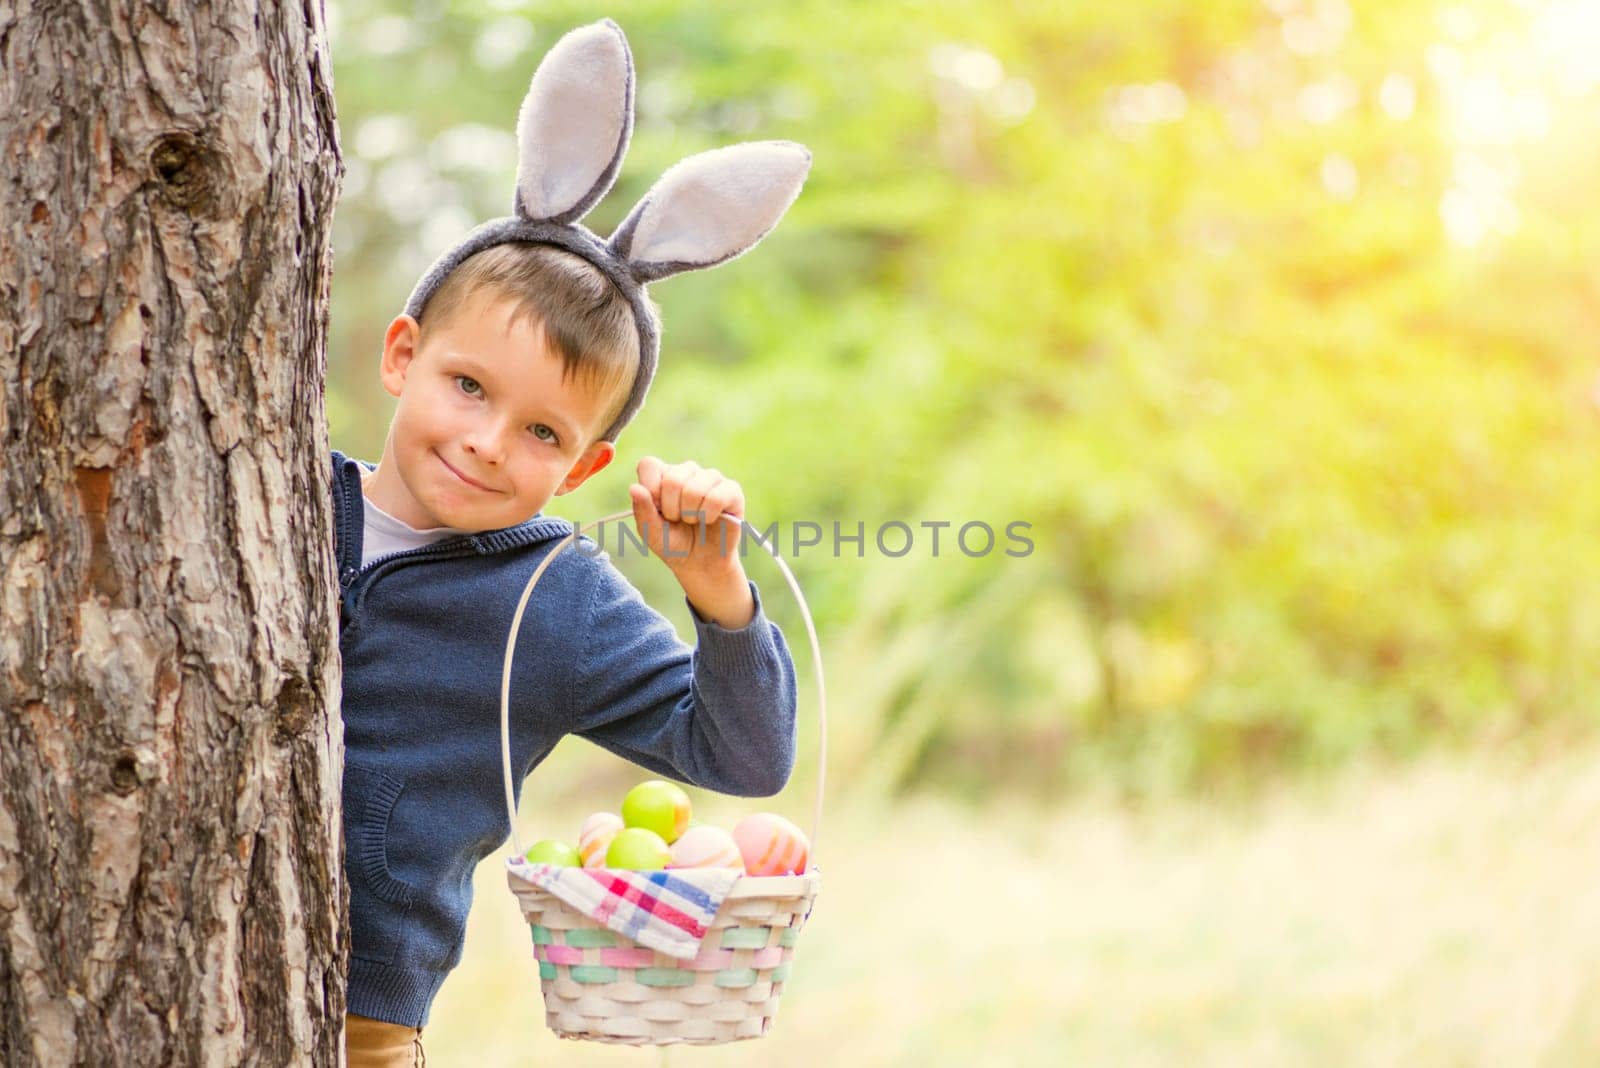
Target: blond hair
column 586, row 320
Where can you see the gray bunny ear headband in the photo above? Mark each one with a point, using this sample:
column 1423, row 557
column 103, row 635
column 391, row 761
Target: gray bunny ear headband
column 572, row 132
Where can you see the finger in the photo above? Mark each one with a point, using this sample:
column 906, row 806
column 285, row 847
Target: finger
column 725, row 498
column 647, row 518
column 726, row 531
column 696, row 491
column 671, row 495
column 649, row 473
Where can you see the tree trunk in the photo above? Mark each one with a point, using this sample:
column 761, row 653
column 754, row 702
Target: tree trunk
column 171, row 889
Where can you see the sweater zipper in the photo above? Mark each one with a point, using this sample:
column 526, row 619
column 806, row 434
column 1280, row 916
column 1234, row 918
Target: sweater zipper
column 347, row 575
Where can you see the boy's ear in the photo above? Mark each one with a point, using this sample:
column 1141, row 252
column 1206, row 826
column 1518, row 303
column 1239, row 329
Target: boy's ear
column 399, row 349
column 592, row 462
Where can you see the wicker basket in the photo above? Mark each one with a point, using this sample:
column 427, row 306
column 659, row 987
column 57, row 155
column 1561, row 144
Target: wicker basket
column 600, row 986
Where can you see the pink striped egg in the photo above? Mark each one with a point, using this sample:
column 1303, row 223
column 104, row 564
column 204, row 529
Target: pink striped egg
column 705, row 846
column 594, row 838
column 771, row 845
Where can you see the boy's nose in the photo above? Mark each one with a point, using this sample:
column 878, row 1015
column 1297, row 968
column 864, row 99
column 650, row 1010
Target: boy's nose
column 487, row 444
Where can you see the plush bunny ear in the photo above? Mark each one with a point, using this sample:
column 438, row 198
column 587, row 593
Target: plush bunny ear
column 711, row 207
column 574, row 124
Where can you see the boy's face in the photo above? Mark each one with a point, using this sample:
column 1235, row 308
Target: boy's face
column 486, row 430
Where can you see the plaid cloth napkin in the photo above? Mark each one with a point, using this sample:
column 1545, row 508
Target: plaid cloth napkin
column 668, row 911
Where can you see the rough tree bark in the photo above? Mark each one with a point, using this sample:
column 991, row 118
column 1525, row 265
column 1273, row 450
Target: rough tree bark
column 171, row 889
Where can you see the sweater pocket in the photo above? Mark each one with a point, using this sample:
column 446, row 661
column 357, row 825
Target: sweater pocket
column 379, row 902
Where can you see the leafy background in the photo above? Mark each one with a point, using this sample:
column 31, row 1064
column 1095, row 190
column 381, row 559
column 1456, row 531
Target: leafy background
column 1275, row 322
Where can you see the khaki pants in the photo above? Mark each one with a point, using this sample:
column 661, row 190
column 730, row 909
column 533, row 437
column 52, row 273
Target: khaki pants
column 370, row 1043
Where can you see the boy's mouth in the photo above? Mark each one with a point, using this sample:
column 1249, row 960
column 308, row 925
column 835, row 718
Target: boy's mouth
column 474, row 483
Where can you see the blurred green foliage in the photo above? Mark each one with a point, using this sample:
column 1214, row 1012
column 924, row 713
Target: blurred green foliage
column 1274, row 320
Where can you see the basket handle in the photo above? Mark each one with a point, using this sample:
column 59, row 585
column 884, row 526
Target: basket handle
column 516, row 625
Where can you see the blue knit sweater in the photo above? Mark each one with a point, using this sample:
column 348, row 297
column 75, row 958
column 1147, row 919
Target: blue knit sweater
column 422, row 636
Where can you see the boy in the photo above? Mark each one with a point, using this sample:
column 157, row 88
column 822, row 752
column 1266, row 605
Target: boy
column 521, row 355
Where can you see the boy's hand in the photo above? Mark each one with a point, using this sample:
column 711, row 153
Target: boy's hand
column 678, row 509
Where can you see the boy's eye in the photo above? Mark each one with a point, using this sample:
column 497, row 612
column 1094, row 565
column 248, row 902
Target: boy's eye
column 544, row 433
column 469, row 386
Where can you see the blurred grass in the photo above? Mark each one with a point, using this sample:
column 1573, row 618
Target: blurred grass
column 1436, row 915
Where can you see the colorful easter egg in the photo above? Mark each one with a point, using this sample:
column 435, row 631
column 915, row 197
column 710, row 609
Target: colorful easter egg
column 594, row 838
column 638, row 849
column 657, row 806
column 771, row 845
column 704, row 846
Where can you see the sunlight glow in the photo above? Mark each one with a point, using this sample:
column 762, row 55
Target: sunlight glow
column 1503, row 88
column 1566, row 35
